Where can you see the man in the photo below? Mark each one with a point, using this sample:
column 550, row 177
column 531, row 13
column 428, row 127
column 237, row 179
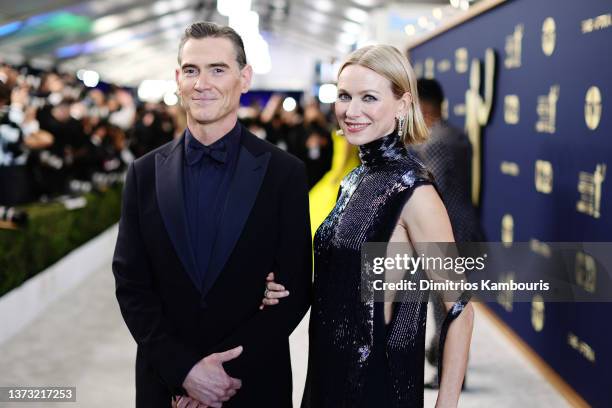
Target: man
column 447, row 154
column 205, row 218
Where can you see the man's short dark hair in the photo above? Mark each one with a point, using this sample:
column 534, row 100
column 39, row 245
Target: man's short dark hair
column 5, row 94
column 430, row 91
column 205, row 29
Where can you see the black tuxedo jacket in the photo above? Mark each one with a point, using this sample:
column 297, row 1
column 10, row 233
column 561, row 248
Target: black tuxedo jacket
column 265, row 227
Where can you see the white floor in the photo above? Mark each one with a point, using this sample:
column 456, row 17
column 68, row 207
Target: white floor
column 82, row 341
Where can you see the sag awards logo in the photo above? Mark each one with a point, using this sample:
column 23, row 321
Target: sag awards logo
column 507, row 230
column 514, row 45
column 509, row 168
column 430, row 67
column 592, row 107
column 461, row 60
column 543, row 176
column 418, row 69
column 596, row 23
column 537, row 313
column 549, row 36
column 581, row 347
column 586, row 271
column 444, row 65
column 589, row 187
column 547, row 110
column 511, row 109
column 505, row 298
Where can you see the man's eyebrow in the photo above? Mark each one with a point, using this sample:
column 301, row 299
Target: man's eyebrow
column 217, row 64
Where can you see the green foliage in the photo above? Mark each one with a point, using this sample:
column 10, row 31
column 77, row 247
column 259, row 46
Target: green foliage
column 51, row 233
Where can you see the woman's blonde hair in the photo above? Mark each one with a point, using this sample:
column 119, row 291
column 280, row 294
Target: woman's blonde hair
column 389, row 62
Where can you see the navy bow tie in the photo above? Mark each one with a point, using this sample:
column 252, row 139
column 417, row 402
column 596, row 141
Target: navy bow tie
column 196, row 150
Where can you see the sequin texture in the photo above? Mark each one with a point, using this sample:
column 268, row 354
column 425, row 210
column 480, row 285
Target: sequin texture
column 341, row 324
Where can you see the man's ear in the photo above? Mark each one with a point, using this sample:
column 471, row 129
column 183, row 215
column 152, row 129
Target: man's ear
column 177, row 73
column 246, row 75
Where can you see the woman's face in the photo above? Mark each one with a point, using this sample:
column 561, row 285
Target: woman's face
column 366, row 107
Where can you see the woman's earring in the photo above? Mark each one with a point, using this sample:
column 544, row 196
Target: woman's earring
column 400, row 125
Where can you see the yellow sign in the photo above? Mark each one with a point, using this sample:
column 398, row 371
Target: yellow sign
column 507, row 229
column 589, row 187
column 547, row 111
column 592, row 107
column 543, row 176
column 514, row 46
column 461, row 60
column 537, row 313
column 596, row 23
column 549, row 36
column 586, row 271
column 430, row 67
column 509, row 168
column 511, row 109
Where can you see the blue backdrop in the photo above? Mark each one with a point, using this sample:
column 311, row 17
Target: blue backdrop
column 546, row 148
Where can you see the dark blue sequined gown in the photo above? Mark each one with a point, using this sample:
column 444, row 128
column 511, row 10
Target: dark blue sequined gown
column 355, row 360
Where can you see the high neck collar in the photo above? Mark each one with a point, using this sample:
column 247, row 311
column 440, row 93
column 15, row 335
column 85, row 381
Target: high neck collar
column 382, row 150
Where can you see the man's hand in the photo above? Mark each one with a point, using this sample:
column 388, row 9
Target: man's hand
column 186, row 402
column 208, row 383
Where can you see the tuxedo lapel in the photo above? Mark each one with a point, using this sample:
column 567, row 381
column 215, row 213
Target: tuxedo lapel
column 169, row 189
column 246, row 181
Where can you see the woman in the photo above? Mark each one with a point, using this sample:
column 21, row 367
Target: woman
column 365, row 354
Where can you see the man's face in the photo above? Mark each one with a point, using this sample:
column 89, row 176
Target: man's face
column 210, row 81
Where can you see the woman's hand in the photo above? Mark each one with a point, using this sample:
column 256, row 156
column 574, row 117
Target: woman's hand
column 274, row 291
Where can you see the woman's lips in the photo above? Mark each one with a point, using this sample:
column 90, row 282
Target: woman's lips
column 356, row 127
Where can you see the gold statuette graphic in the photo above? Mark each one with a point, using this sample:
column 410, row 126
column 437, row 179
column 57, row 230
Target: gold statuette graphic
column 477, row 112
column 543, row 176
column 461, row 60
column 549, row 36
column 512, row 109
column 592, row 107
column 589, row 187
column 514, row 46
column 586, row 271
column 547, row 111
column 537, row 313
column 507, row 230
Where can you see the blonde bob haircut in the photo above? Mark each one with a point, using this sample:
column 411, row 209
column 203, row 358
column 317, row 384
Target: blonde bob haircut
column 389, row 62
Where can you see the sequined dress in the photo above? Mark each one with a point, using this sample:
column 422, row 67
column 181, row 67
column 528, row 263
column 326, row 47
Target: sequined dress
column 354, row 358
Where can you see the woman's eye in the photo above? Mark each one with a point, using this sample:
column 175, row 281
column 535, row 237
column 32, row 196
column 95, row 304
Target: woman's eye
column 369, row 98
column 344, row 97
